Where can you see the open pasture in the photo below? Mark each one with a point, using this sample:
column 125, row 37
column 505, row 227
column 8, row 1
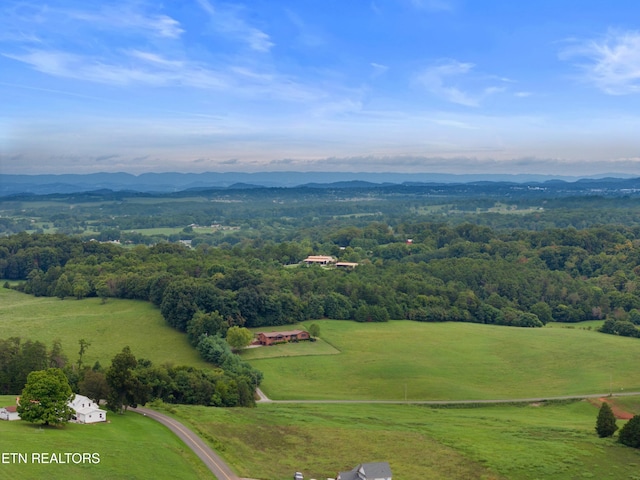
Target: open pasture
column 527, row 442
column 128, row 446
column 107, row 327
column 401, row 360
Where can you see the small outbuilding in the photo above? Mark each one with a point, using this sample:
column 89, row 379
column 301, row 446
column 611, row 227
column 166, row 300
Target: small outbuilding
column 9, row 413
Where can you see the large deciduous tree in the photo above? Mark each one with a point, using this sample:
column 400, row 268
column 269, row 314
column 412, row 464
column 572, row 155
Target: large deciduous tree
column 125, row 388
column 239, row 337
column 314, row 330
column 45, row 398
column 94, row 385
column 606, row 422
column 205, row 324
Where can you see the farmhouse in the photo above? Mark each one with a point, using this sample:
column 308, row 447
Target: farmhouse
column 367, row 471
column 86, row 410
column 9, row 413
column 269, row 338
column 320, row 260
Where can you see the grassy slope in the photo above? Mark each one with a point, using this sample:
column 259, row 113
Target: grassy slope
column 494, row 442
column 454, row 361
column 108, row 327
column 130, row 446
column 376, row 361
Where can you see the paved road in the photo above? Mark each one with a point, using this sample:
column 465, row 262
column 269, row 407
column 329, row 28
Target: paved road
column 213, row 462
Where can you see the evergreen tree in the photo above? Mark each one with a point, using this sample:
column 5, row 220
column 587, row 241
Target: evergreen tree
column 630, row 434
column 606, row 423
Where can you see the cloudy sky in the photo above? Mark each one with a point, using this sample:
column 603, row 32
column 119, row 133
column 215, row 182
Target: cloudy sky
column 456, row 86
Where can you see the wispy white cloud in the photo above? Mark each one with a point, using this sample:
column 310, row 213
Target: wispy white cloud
column 127, row 17
column 228, row 20
column 378, row 69
column 134, row 43
column 440, row 80
column 611, row 63
column 309, row 35
column 38, row 22
column 137, row 67
column 434, row 78
column 156, row 59
column 152, row 69
column 338, row 107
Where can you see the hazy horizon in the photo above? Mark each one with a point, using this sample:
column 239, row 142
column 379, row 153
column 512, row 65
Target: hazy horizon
column 408, row 86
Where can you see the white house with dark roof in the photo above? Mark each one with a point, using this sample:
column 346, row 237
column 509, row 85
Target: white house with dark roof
column 367, row 471
column 86, row 410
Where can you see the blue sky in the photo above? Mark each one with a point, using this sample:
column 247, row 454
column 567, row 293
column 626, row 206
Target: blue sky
column 455, row 86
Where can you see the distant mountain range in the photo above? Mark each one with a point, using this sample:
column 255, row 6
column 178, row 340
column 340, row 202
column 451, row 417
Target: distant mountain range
column 177, row 182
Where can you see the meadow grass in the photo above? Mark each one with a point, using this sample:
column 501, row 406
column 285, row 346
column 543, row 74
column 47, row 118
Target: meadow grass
column 129, row 446
column 107, row 327
column 375, row 361
column 453, row 361
column 555, row 440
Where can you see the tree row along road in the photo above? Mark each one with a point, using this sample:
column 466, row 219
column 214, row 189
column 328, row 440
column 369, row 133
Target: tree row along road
column 223, row 472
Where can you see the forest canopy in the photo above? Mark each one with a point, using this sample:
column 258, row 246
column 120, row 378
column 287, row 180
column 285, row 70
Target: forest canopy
column 467, row 273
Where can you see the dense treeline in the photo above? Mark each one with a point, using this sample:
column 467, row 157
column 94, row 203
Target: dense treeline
column 230, row 386
column 18, row 359
column 424, row 271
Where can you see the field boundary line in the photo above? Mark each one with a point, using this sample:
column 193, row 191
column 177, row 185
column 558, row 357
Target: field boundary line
column 265, row 399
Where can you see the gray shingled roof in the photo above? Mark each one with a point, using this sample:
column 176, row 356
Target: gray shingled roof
column 370, row 471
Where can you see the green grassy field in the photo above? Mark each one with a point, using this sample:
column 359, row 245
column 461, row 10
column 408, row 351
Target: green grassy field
column 449, row 361
column 129, row 446
column 351, row 361
column 108, row 327
column 553, row 441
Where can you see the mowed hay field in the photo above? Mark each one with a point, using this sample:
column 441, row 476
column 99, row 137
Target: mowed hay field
column 107, row 327
column 529, row 441
column 128, row 447
column 451, row 361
